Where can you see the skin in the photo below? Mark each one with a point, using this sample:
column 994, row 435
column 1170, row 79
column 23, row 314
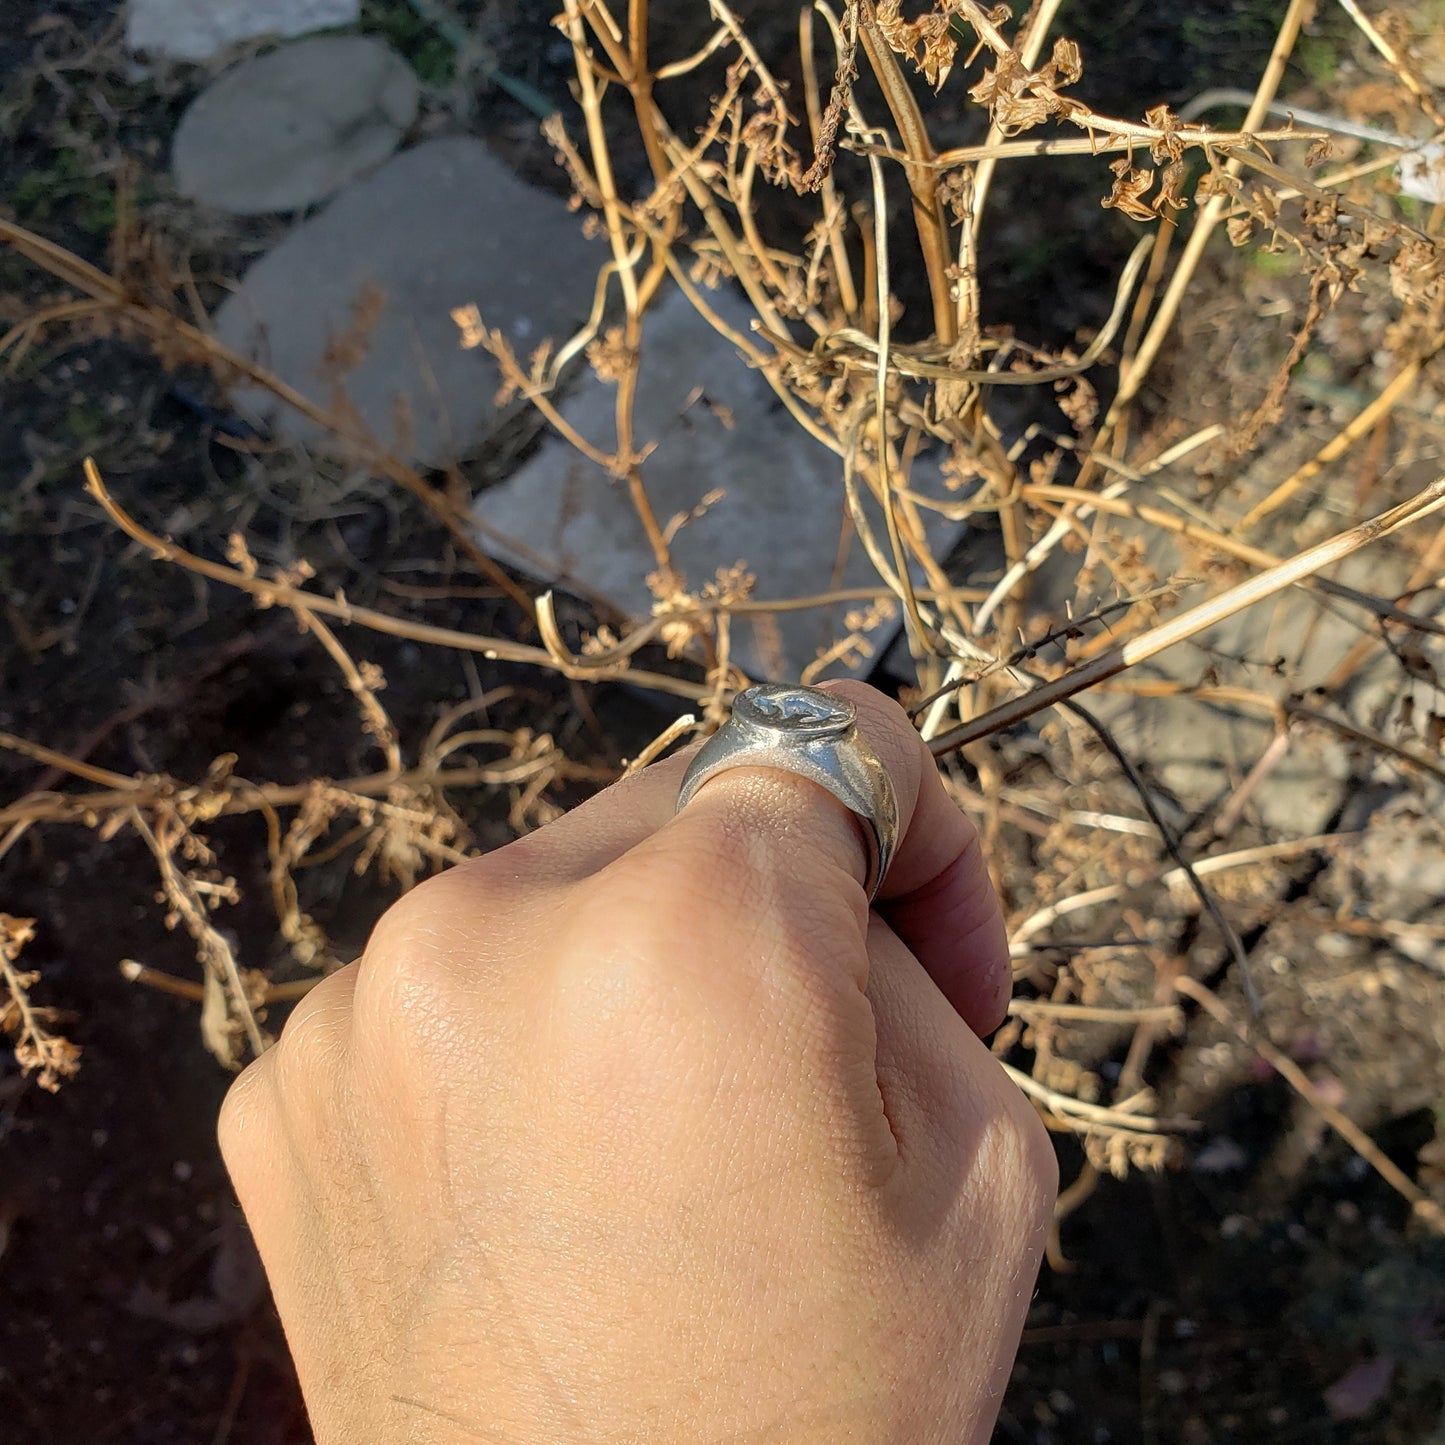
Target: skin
column 647, row 1128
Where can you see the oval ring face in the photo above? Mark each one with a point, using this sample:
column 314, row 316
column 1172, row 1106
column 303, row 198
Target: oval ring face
column 799, row 712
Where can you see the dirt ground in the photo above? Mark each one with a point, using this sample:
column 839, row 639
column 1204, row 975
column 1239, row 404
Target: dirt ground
column 1271, row 1287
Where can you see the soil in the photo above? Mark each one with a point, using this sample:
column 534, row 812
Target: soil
column 1216, row 1303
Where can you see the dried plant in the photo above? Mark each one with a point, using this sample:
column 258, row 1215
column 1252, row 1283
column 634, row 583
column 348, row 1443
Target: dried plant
column 917, row 427
column 38, row 1049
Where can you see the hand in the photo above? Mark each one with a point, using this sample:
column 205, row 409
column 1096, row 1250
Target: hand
column 645, row 1128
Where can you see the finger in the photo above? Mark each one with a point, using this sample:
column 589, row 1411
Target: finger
column 938, row 1080
column 937, row 894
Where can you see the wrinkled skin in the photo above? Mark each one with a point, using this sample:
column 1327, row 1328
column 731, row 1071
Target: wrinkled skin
column 646, row 1128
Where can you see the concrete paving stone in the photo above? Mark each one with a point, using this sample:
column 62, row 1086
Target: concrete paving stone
column 288, row 128
column 355, row 306
column 200, row 29
column 717, row 424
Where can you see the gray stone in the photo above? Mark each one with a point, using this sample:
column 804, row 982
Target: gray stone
column 286, row 129
column 1422, row 174
column 717, row 425
column 199, row 29
column 354, row 307
column 1397, row 868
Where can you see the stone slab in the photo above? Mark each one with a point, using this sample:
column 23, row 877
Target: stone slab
column 200, row 29
column 289, row 128
column 355, row 306
column 717, row 425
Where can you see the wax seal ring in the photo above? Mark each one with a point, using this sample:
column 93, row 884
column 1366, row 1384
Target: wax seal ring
column 814, row 734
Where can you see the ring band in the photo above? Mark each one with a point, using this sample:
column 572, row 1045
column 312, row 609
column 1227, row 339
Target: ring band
column 814, row 734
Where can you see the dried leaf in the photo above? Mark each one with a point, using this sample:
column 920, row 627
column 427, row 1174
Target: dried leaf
column 1166, row 145
column 1170, row 195
column 1239, row 229
column 1129, row 186
column 1066, row 64
column 1019, row 98
column 928, row 41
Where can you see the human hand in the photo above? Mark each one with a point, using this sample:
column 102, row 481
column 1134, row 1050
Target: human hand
column 645, row 1128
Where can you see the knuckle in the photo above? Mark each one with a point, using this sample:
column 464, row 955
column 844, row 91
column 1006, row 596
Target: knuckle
column 455, row 911
column 661, row 907
column 640, row 898
column 293, row 1082
column 315, row 1035
column 441, row 959
column 627, row 954
column 404, row 994
column 245, row 1114
column 423, row 957
column 619, row 921
column 732, row 864
column 412, row 924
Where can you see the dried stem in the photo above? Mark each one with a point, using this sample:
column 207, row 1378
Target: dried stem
column 270, row 592
column 37, row 1050
column 1209, row 217
column 1195, row 620
column 163, row 326
column 928, row 213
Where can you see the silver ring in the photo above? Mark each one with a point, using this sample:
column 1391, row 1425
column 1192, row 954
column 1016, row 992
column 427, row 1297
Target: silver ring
column 814, row 734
